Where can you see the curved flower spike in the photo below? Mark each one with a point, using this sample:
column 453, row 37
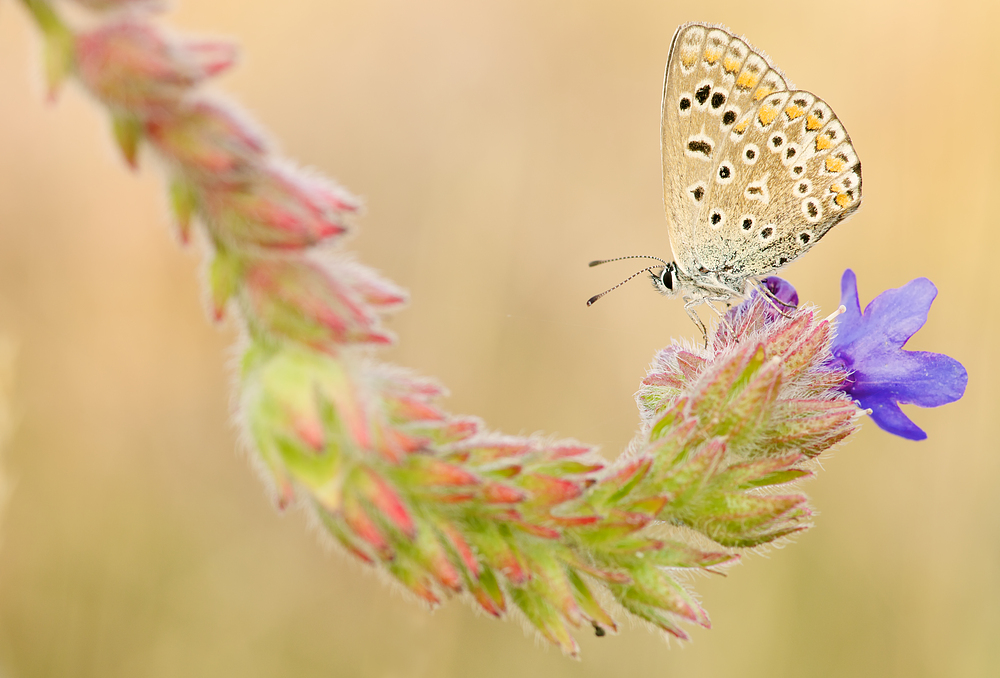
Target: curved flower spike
column 883, row 374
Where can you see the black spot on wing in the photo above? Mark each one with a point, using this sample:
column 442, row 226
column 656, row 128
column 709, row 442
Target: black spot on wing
column 699, row 146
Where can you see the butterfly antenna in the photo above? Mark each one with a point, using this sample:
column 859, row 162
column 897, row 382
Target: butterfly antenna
column 594, row 298
column 598, row 262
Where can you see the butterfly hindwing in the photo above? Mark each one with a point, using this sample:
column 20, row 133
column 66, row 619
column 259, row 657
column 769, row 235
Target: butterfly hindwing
column 794, row 175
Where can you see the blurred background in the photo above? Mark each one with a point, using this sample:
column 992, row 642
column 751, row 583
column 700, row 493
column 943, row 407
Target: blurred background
column 499, row 146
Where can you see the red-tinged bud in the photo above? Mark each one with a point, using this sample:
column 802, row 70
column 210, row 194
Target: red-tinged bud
column 562, row 451
column 428, row 471
column 454, row 430
column 336, row 526
column 383, row 497
column 408, row 409
column 361, row 524
column 298, row 300
column 744, row 520
column 279, row 208
column 609, row 576
column 184, row 204
column 434, row 556
column 481, row 452
column 369, row 286
column 395, row 445
column 287, row 392
column 414, row 579
column 568, row 468
column 208, row 142
column 553, row 584
column 59, row 44
column 650, row 506
column 495, row 493
column 132, row 65
column 487, row 592
column 620, row 483
column 503, row 472
column 752, row 473
column 224, row 276
column 539, row 530
column 511, row 567
column 461, row 547
column 589, row 605
column 665, row 380
column 546, row 618
column 498, row 554
column 127, row 132
column 678, row 554
column 653, row 587
column 575, row 521
column 689, row 364
column 549, row 491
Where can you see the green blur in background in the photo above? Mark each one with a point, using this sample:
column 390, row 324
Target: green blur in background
column 499, row 145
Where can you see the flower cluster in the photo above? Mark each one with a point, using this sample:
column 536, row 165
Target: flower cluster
column 531, row 524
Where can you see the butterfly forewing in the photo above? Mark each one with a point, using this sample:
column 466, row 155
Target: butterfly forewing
column 753, row 174
column 712, row 79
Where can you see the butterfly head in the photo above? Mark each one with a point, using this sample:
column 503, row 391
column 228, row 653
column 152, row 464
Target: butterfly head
column 664, row 281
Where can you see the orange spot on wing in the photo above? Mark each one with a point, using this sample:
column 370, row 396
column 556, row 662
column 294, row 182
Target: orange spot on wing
column 823, row 143
column 842, row 200
column 834, row 165
column 762, row 92
column 767, row 115
column 747, row 80
column 813, row 123
column 794, row 111
column 731, row 65
column 712, row 55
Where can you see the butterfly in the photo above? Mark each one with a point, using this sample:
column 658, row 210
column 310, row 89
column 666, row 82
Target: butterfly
column 755, row 172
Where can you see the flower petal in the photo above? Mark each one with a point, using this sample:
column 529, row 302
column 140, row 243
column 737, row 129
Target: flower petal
column 890, row 418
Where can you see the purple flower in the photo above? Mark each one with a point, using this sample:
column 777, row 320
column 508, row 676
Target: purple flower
column 883, row 374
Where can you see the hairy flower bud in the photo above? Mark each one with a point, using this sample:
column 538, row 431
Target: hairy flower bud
column 278, row 208
column 132, row 65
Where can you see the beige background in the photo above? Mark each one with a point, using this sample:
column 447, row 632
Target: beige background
column 499, row 145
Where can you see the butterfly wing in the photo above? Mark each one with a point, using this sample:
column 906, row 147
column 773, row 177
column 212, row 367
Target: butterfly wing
column 785, row 174
column 713, row 79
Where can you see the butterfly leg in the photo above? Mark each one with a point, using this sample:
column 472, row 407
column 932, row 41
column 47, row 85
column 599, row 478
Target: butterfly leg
column 722, row 315
column 689, row 307
column 774, row 301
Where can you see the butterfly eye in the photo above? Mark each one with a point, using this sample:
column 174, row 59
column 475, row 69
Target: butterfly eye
column 667, row 277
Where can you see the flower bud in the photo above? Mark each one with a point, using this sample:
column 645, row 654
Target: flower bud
column 278, row 208
column 207, row 142
column 132, row 65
